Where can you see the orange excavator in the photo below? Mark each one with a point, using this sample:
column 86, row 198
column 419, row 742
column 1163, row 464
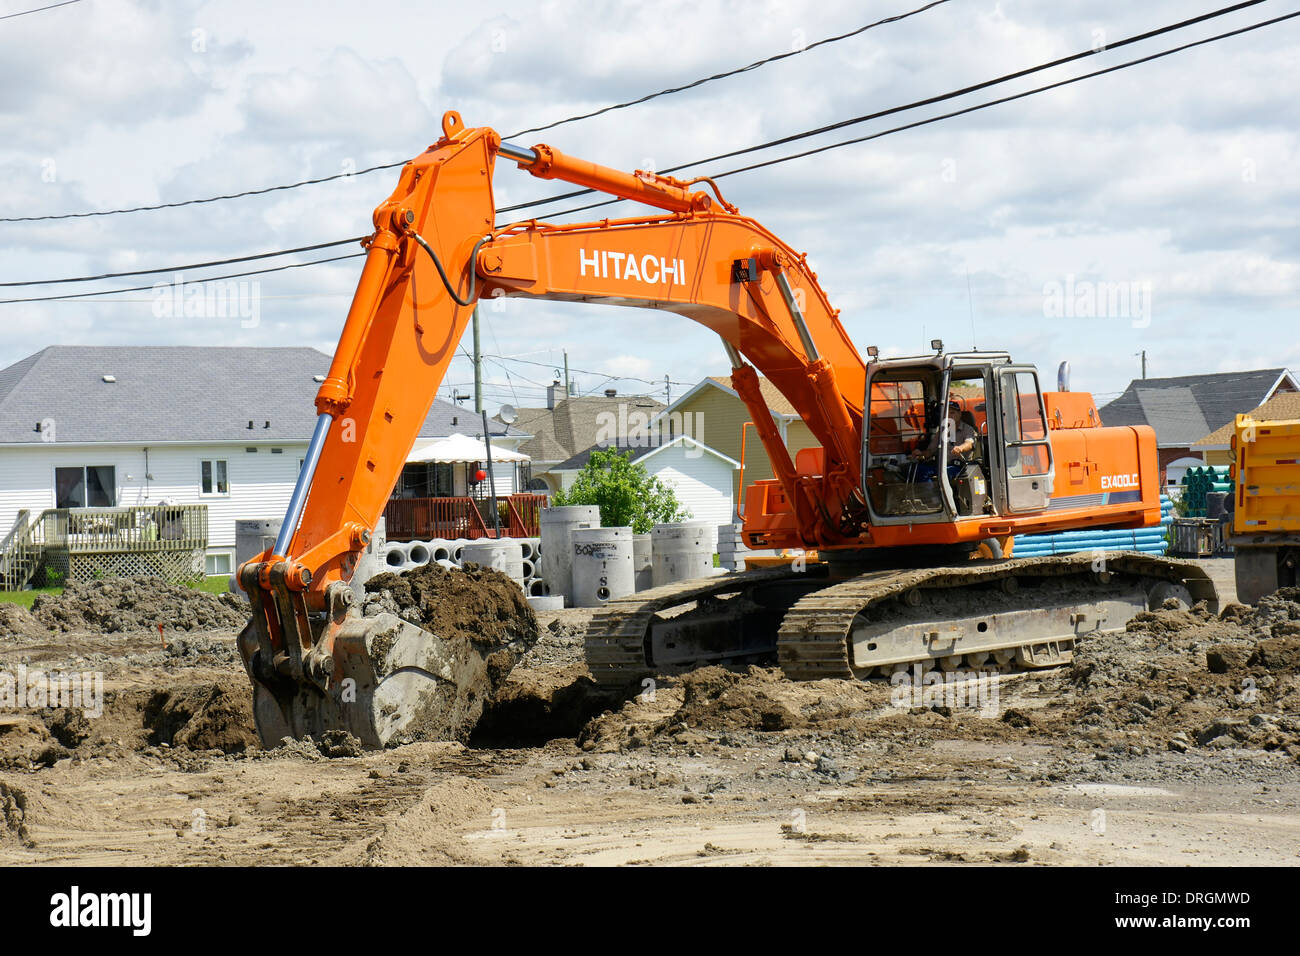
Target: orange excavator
column 924, row 463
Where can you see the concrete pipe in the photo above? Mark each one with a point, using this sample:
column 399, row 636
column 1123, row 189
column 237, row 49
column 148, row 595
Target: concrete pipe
column 602, row 565
column 643, row 561
column 504, row 556
column 252, row 537
column 682, row 551
column 555, row 564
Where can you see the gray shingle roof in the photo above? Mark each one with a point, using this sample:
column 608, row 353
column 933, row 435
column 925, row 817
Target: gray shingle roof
column 180, row 394
column 575, row 423
column 638, row 450
column 1179, row 406
column 1181, row 421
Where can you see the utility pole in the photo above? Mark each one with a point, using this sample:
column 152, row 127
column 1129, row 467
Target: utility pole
column 567, row 387
column 668, row 391
column 478, row 368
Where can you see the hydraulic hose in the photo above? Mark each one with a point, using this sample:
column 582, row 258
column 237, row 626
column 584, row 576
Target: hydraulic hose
column 473, row 275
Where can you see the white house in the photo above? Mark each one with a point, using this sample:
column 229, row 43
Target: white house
column 108, row 426
column 703, row 479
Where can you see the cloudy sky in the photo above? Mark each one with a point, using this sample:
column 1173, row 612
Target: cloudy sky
column 1176, row 182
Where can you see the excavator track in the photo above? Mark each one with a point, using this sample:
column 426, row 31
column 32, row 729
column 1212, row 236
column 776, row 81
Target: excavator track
column 816, row 634
column 617, row 643
column 1016, row 613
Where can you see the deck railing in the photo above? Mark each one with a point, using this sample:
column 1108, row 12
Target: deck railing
column 84, row 543
column 420, row 519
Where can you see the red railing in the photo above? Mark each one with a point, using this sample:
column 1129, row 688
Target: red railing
column 526, row 515
column 419, row 519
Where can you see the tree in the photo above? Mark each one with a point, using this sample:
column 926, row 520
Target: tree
column 626, row 493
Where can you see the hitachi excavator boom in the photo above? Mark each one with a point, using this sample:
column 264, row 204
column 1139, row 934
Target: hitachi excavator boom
column 868, row 499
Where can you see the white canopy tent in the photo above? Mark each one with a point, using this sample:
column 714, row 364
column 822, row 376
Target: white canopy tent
column 458, row 448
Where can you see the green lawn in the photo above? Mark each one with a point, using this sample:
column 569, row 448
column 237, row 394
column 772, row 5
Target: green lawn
column 25, row 598
column 217, row 584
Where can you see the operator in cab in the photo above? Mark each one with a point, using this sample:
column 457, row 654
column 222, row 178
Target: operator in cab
column 961, row 434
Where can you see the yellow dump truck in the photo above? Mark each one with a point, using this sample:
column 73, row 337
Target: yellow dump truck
column 1266, row 516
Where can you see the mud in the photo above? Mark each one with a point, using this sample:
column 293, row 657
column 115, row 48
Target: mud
column 215, row 716
column 1179, row 679
column 1174, row 680
column 478, row 605
column 537, row 706
column 134, row 604
column 1180, row 729
column 17, row 624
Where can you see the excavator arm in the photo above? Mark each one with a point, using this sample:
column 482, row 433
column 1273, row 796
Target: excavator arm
column 435, row 251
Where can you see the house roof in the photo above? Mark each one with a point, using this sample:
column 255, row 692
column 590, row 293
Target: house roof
column 576, row 423
column 1284, row 406
column 641, row 451
column 1181, row 409
column 167, row 393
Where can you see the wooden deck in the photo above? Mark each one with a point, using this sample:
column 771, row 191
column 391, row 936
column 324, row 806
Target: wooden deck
column 421, row 519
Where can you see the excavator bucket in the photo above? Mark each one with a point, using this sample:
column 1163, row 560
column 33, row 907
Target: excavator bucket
column 393, row 683
column 388, row 681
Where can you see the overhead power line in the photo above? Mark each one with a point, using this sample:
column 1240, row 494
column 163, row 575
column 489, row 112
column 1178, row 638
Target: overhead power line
column 142, row 288
column 23, row 13
column 783, row 159
column 191, row 265
column 721, row 76
column 928, row 101
column 587, row 371
column 943, row 116
column 536, row 129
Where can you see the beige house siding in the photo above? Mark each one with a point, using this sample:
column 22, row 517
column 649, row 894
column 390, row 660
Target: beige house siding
column 715, row 418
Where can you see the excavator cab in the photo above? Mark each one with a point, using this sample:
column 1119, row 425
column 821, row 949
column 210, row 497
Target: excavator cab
column 954, row 436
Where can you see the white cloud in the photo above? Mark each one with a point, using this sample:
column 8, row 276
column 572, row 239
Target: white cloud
column 1183, row 172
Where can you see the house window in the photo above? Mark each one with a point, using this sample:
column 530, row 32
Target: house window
column 85, row 486
column 212, row 477
column 426, row 480
column 219, row 563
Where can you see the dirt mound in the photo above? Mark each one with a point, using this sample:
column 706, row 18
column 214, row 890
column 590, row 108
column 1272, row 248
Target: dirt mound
column 1177, row 679
column 561, row 643
column 715, row 702
column 535, row 706
column 13, row 809
column 480, row 603
column 718, row 699
column 17, row 623
column 214, row 716
column 133, row 604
